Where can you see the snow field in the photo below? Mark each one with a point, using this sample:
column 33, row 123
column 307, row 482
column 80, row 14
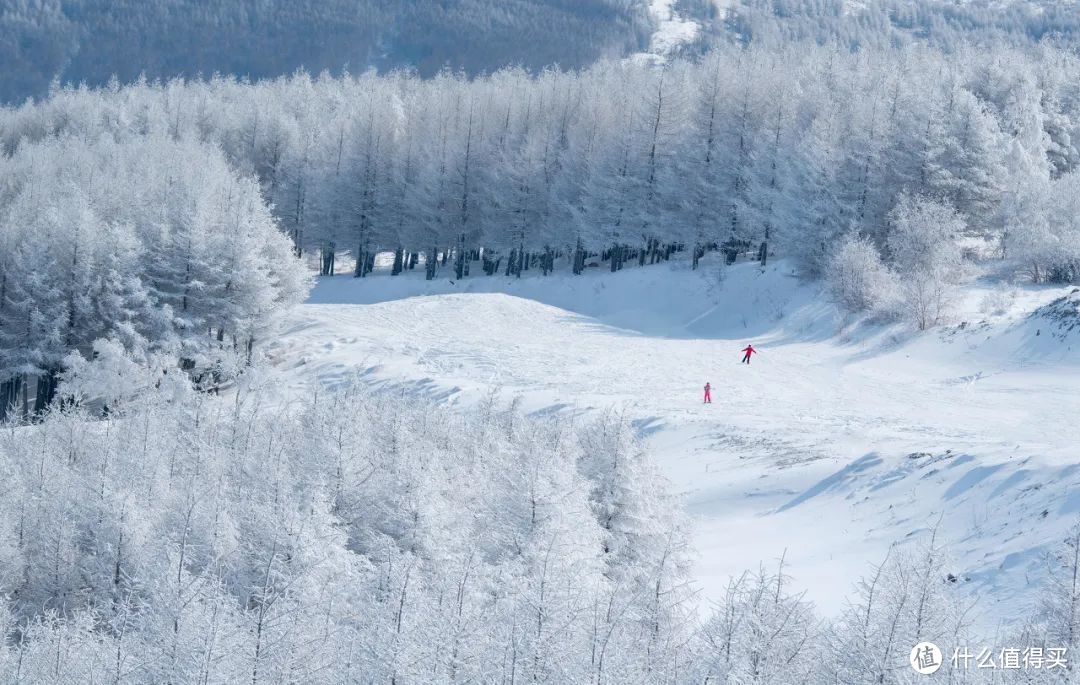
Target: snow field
column 839, row 440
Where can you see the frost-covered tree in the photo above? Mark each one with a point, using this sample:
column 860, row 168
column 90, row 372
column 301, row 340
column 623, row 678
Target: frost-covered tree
column 923, row 247
column 1042, row 233
column 908, row 598
column 964, row 162
column 155, row 244
column 760, row 632
column 859, row 281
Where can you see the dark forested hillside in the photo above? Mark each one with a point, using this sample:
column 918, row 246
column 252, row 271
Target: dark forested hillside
column 92, row 40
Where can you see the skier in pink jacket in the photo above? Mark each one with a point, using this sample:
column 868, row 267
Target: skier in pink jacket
column 749, row 350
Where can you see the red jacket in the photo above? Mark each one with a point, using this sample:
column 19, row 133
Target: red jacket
column 749, row 349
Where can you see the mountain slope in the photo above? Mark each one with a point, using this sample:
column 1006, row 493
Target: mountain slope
column 91, row 40
column 875, row 23
column 833, row 445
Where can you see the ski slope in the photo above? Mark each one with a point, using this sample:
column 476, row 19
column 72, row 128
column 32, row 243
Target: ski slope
column 838, row 441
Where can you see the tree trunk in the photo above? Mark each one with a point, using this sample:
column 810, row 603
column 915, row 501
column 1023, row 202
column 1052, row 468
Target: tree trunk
column 9, row 398
column 459, row 258
column 365, row 259
column 328, row 257
column 46, row 389
column 399, row 261
column 431, row 263
column 579, row 258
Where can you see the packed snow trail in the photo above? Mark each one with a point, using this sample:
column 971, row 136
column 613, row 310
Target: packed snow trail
column 829, row 447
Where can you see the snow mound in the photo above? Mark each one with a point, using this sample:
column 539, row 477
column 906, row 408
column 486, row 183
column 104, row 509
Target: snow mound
column 1062, row 316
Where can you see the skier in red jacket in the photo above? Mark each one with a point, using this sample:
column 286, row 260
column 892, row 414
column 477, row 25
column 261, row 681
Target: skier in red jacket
column 749, row 350
column 708, row 393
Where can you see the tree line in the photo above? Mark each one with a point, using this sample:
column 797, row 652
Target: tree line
column 796, row 147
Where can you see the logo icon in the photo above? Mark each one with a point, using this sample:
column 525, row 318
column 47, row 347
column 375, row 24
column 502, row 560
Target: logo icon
column 925, row 658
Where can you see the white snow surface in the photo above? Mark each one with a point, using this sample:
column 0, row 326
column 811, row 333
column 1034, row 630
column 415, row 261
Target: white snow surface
column 672, row 32
column 672, row 29
column 838, row 441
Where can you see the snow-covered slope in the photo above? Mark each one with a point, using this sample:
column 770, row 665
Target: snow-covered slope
column 837, row 442
column 672, row 29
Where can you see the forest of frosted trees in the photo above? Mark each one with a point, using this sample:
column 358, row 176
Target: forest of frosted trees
column 359, row 537
column 154, row 244
column 866, row 167
column 945, row 24
column 796, row 147
column 153, row 235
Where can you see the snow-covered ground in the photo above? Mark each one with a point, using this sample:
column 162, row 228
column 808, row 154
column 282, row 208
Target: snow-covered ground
column 672, row 29
column 837, row 442
column 672, row 32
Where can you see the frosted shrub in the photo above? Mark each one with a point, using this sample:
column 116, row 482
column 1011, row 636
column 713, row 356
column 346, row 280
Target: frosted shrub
column 114, row 375
column 924, row 249
column 926, row 299
column 858, row 281
column 924, row 237
column 997, row 302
